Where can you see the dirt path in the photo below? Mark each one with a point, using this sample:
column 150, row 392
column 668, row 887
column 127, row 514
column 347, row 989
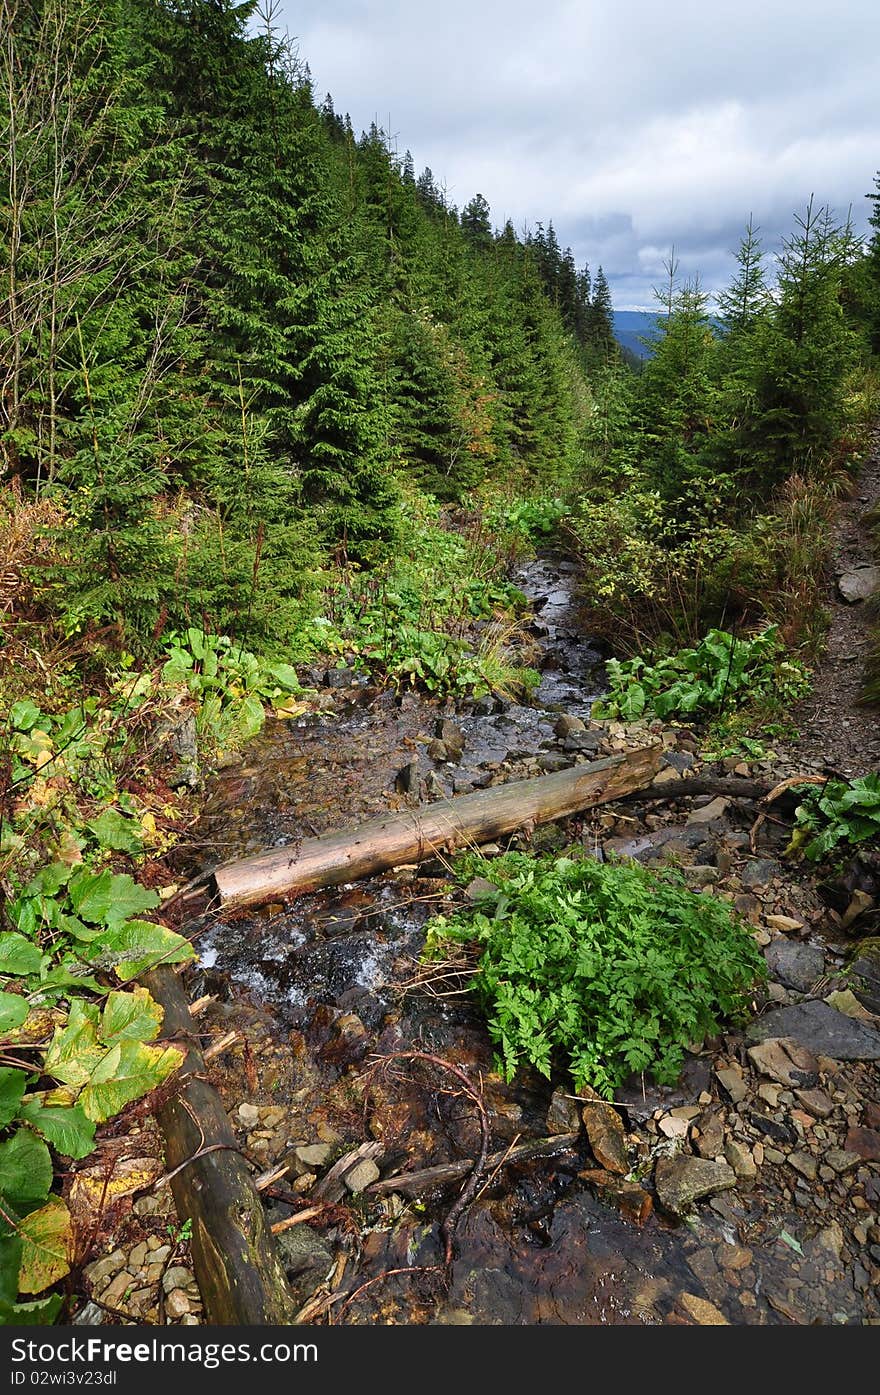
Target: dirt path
column 837, row 732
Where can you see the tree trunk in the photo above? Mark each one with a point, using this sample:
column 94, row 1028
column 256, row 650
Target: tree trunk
column 239, row 1272
column 447, row 826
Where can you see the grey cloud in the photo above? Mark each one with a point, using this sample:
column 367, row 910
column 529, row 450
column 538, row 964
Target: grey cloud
column 632, row 127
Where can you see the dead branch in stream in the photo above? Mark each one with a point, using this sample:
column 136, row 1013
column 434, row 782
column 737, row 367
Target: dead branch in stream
column 427, row 1179
column 466, row 1195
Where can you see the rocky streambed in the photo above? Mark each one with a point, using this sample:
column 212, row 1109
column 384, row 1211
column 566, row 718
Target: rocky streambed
column 748, row 1194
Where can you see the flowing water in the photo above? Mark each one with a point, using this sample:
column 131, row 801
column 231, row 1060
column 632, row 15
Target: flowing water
column 537, row 1246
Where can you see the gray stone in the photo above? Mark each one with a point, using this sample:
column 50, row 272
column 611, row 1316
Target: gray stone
column 859, row 584
column 361, row 1175
column 681, row 1181
column 306, row 1257
column 452, row 738
column 679, row 760
column 553, row 761
column 178, row 1276
column 733, row 1083
column 479, row 888
column 564, row 1115
column 567, row 725
column 758, row 872
column 408, row 780
column 313, row 1155
column 796, row 965
column 714, row 810
column 822, row 1029
column 805, row 1164
column 248, row 1115
column 339, row 677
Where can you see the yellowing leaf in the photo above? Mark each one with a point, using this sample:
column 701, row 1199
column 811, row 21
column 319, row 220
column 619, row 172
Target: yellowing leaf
column 127, row 1072
column 133, row 1015
column 290, row 709
column 75, row 1051
column 47, row 1246
column 96, row 1188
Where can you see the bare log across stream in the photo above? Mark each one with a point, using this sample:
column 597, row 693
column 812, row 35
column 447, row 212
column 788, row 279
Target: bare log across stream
column 447, row 826
column 239, row 1271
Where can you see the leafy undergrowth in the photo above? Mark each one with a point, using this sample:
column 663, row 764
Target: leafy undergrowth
column 712, row 680
column 609, row 968
column 440, row 615
column 838, row 812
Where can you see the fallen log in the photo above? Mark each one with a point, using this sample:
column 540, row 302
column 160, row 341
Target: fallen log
column 443, row 827
column 239, row 1272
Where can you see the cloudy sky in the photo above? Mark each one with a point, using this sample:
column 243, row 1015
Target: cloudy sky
column 633, row 126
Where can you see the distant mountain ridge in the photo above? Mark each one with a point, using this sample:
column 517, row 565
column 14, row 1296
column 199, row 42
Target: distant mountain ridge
column 630, row 326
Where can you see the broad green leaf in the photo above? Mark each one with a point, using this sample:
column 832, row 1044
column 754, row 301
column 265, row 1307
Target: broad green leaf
column 49, row 880
column 102, row 898
column 42, row 1313
column 10, row 1263
column 128, row 1071
column 66, row 1128
column 139, row 945
column 18, row 955
column 25, row 1171
column 116, row 833
column 13, row 1011
column 286, row 676
column 24, row 715
column 12, row 1087
column 75, row 1051
column 133, row 1015
column 47, row 1237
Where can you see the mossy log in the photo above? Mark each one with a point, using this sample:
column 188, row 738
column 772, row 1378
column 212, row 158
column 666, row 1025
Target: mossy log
column 240, row 1275
column 445, row 827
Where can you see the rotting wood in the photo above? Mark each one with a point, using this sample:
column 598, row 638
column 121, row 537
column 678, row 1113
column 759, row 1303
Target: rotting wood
column 690, row 787
column 239, row 1272
column 429, row 1178
column 440, row 828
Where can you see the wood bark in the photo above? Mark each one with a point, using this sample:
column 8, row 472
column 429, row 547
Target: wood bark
column 443, row 827
column 240, row 1275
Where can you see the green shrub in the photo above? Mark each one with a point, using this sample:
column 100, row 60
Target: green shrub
column 719, row 674
column 838, row 812
column 610, row 966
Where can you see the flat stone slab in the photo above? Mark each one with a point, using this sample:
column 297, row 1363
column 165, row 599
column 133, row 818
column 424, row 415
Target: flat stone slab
column 797, row 966
column 822, row 1028
column 681, row 1181
column 859, row 584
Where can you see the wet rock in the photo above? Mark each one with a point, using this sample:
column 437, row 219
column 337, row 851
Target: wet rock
column 682, row 1181
column 845, row 1001
column 631, row 1200
column 865, row 1142
column 709, row 812
column 646, row 846
column 408, row 780
column 587, row 741
column 339, row 677
column 859, row 584
column 567, row 726
column 702, row 1311
column 606, row 1136
column 306, row 1257
column 90, row 1315
column 822, row 1029
column 709, row 1134
column 438, row 750
column 798, row 966
column 451, row 736
column 563, row 1116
